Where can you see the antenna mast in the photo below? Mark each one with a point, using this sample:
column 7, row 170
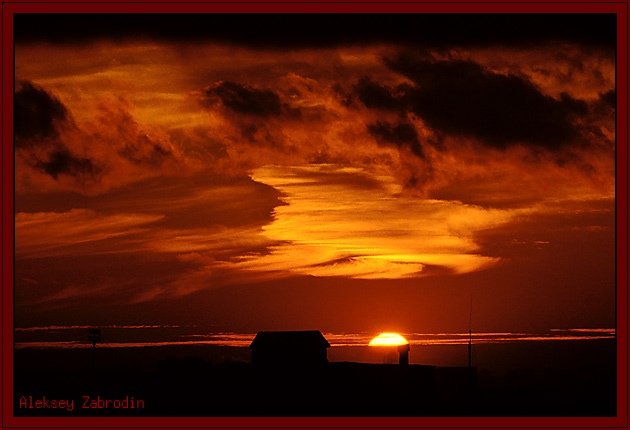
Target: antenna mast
column 470, row 336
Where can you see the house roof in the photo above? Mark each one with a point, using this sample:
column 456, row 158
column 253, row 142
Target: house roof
column 284, row 339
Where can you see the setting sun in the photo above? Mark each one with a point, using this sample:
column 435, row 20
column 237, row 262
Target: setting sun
column 388, row 339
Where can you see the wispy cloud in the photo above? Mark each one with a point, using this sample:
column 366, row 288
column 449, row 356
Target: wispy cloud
column 332, row 227
column 51, row 233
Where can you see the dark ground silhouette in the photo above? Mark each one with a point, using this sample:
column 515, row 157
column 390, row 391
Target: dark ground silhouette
column 173, row 381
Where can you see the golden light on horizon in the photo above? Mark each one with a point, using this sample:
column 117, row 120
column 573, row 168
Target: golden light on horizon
column 388, row 339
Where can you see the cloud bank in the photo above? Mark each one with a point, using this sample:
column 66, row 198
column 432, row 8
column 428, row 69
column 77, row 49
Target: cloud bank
column 217, row 163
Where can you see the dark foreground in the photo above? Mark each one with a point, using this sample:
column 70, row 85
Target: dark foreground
column 191, row 385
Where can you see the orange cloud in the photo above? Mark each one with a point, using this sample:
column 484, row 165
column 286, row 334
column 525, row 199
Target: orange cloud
column 333, row 226
column 47, row 234
column 371, row 186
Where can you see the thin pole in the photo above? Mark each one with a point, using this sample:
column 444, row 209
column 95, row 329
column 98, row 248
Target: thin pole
column 93, row 352
column 470, row 349
column 470, row 336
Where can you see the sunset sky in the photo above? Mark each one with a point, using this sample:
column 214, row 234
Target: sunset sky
column 331, row 172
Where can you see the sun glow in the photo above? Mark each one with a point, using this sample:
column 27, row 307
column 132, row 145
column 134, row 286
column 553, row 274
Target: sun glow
column 388, row 339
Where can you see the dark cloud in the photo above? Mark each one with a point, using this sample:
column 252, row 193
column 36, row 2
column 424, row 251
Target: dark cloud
column 337, row 262
column 144, row 151
column 38, row 124
column 245, row 100
column 426, row 29
column 376, row 96
column 610, row 98
column 62, row 162
column 401, row 135
column 573, row 106
column 35, row 114
column 463, row 99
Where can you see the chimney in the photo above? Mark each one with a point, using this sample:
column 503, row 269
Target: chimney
column 403, row 354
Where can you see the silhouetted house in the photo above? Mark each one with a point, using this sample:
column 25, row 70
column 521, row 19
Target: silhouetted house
column 289, row 349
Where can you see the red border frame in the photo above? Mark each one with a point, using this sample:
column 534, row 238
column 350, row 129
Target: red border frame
column 619, row 8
